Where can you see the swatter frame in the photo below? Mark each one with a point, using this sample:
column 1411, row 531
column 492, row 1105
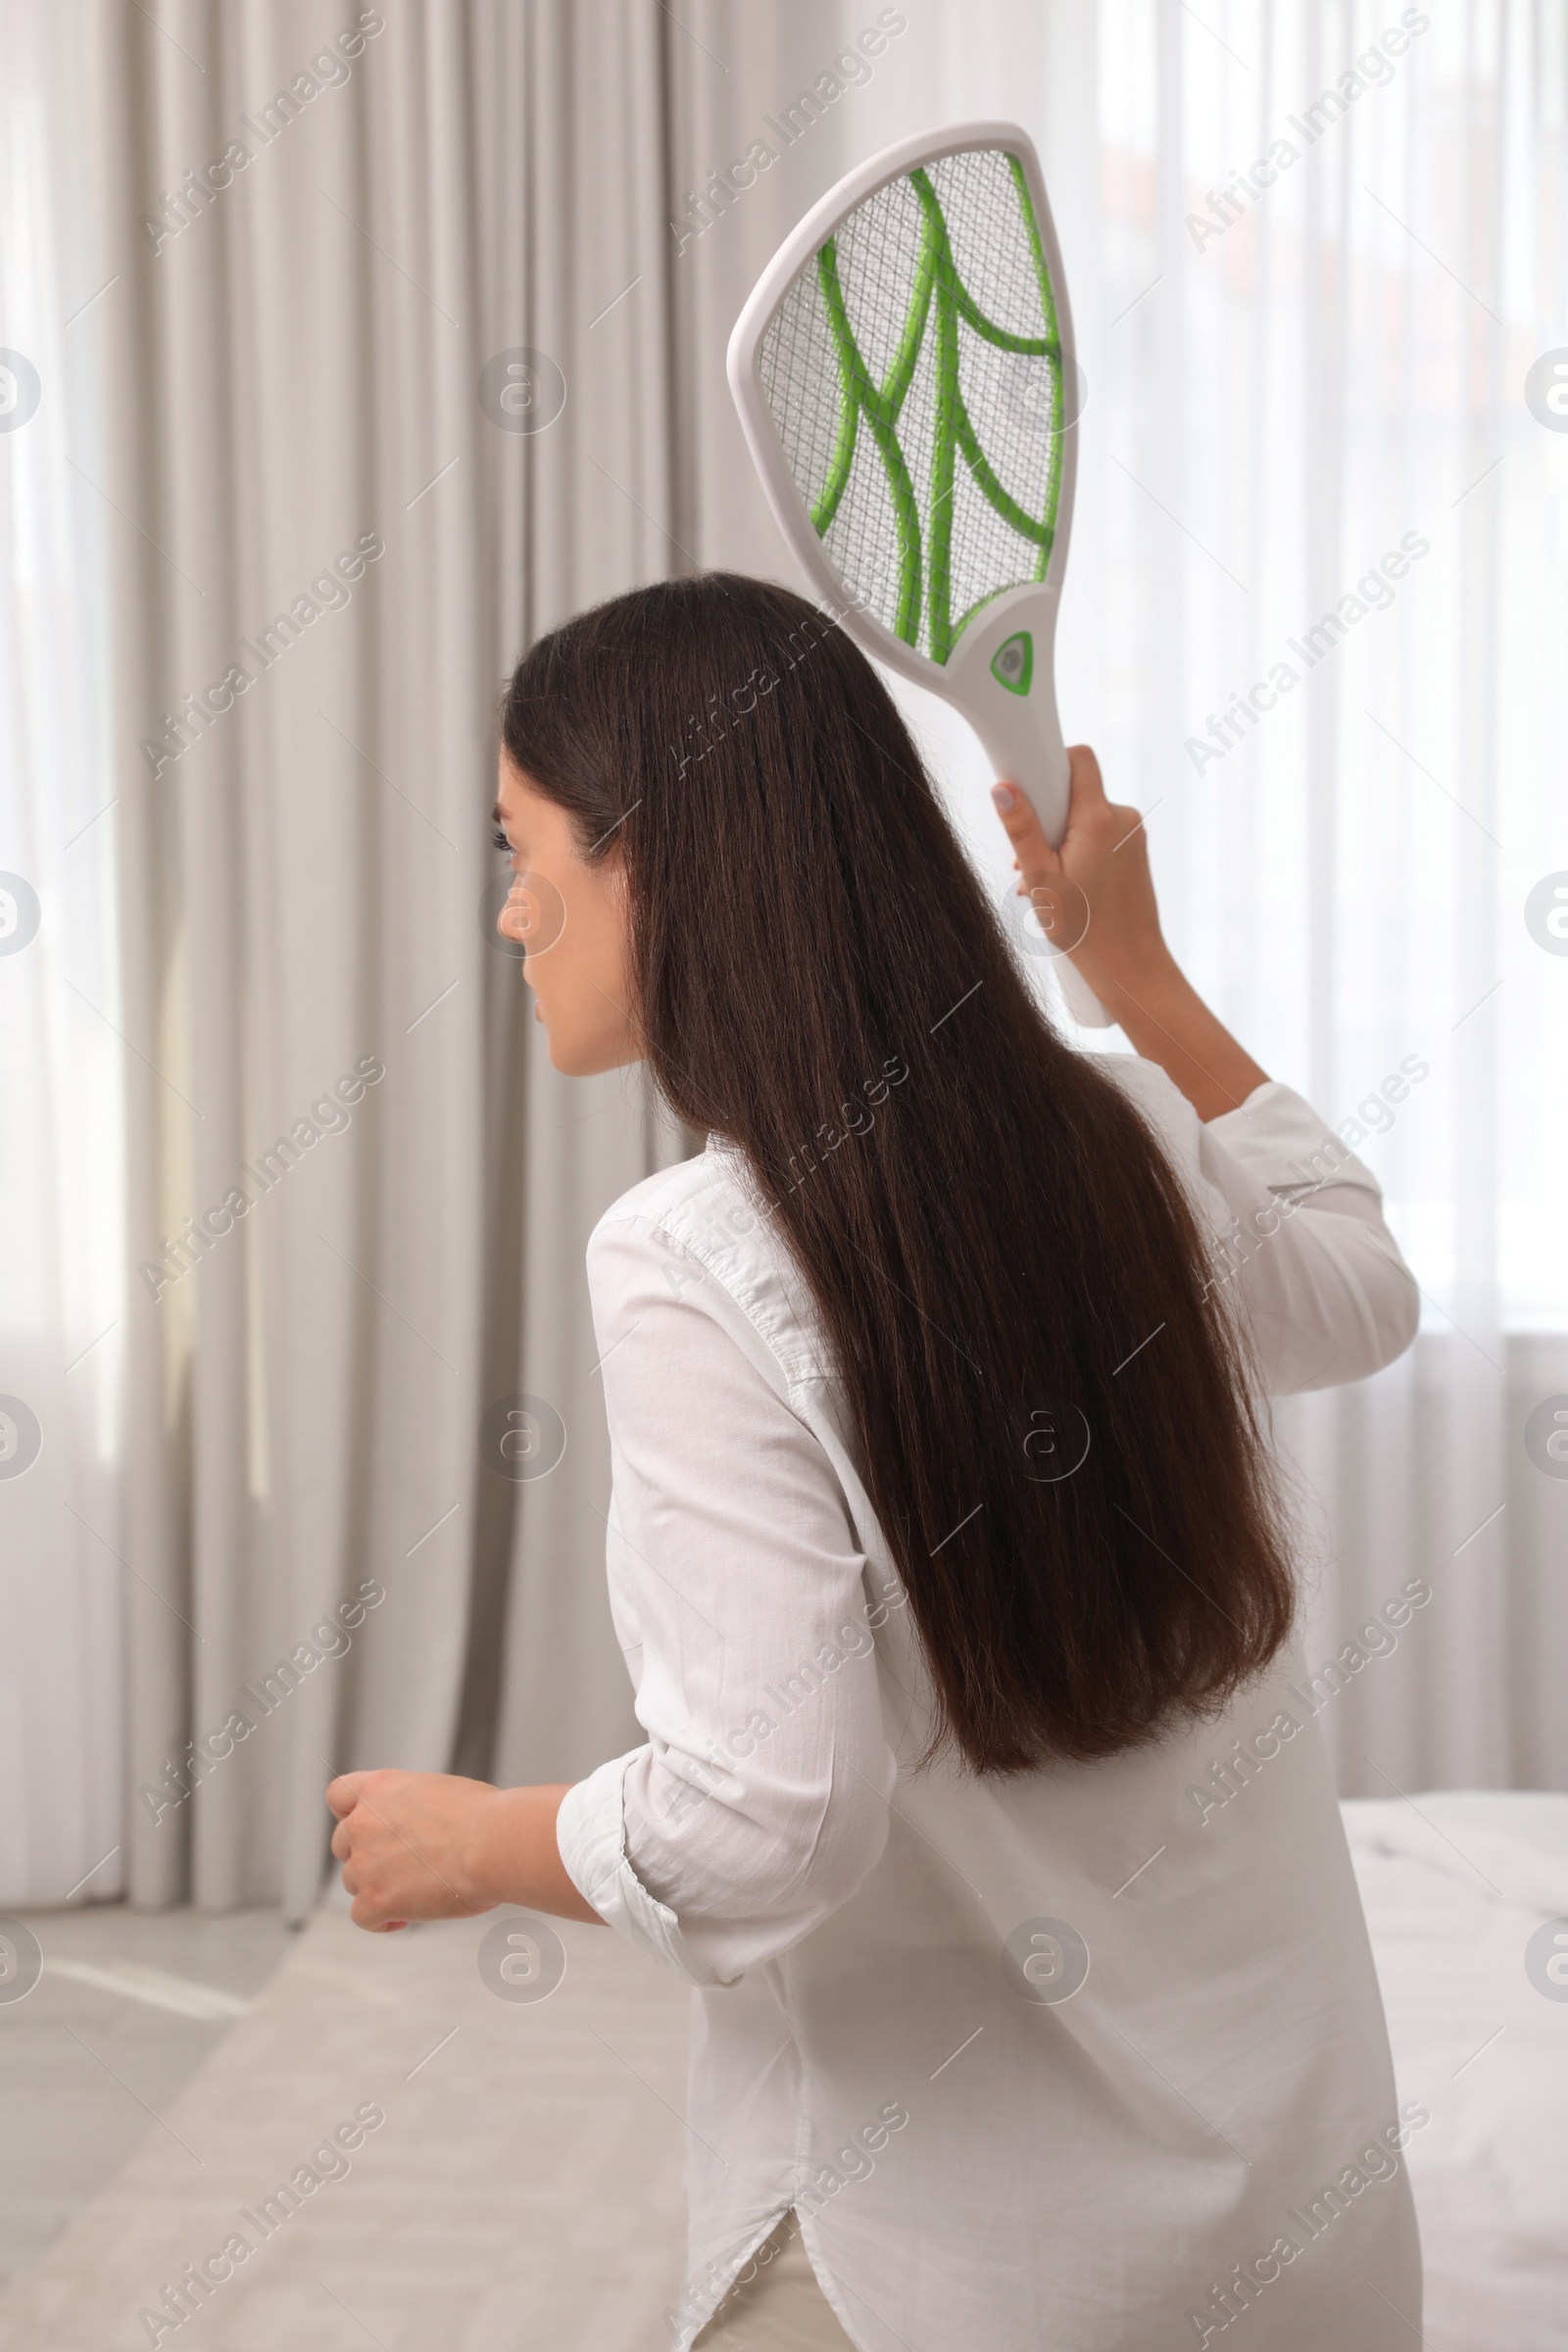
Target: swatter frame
column 801, row 246
column 785, row 500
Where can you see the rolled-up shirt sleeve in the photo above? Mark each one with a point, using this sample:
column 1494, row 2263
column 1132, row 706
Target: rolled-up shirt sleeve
column 759, row 1801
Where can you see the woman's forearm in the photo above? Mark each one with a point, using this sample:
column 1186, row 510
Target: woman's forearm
column 515, row 1857
column 1166, row 1020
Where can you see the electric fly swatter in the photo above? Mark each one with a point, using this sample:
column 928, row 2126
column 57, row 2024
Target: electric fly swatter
column 904, row 376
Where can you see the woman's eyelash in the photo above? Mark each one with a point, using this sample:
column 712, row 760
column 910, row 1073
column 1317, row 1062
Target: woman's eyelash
column 500, row 840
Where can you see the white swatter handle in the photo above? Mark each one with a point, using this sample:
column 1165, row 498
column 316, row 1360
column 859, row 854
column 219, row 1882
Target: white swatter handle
column 1001, row 676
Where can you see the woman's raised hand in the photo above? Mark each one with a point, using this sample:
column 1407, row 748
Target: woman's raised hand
column 1095, row 896
column 1096, row 891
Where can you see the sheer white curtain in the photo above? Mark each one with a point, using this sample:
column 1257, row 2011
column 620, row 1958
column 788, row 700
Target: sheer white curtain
column 1311, row 476
column 1321, row 470
column 62, row 1153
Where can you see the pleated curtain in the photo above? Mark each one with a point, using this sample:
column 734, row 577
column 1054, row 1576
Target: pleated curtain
column 433, row 322
column 302, row 419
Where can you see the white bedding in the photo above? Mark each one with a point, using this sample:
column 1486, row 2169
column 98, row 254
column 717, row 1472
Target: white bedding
column 1456, row 1885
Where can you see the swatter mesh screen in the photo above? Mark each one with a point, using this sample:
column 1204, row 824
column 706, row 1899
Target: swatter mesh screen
column 882, row 399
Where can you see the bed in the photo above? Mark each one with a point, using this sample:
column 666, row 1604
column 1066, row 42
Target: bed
column 1466, row 1896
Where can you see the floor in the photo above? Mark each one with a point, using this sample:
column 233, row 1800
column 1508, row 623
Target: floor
column 129, row 2006
column 524, row 2187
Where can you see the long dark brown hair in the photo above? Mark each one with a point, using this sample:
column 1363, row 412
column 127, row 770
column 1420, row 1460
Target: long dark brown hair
column 1086, row 1525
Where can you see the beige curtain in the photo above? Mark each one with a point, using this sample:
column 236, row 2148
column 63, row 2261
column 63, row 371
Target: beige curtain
column 410, row 359
column 369, row 344
column 337, row 534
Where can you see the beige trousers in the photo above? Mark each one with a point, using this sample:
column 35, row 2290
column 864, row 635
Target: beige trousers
column 779, row 2307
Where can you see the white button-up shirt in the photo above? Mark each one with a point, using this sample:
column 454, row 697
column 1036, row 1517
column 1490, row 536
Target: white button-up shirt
column 1088, row 2057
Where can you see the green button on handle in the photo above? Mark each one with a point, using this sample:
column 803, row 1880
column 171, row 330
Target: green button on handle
column 1012, row 664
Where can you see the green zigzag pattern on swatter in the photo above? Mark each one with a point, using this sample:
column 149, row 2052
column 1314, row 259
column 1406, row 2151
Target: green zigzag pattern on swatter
column 938, row 289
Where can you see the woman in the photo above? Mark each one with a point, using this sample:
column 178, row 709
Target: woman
column 1034, row 2004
